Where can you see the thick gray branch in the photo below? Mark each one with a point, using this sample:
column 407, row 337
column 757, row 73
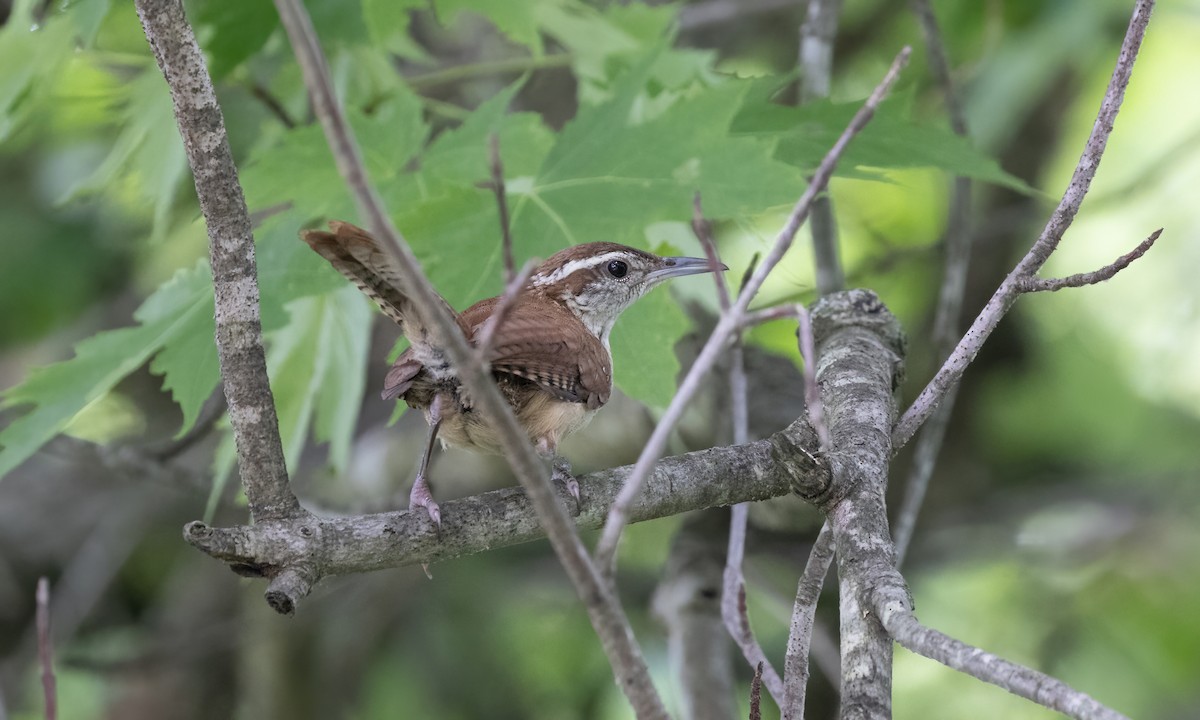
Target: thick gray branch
column 231, row 252
column 860, row 351
column 340, row 545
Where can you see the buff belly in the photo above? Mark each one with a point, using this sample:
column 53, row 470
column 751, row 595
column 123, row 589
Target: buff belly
column 544, row 417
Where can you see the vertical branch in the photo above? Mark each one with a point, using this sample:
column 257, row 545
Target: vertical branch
column 756, row 693
column 604, row 610
column 859, row 348
column 231, row 252
column 733, row 586
column 816, row 70
column 808, row 590
column 510, row 264
column 46, row 649
column 804, row 613
column 687, row 601
column 950, row 298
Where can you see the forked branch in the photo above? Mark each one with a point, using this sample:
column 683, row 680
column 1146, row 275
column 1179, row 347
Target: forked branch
column 1011, row 288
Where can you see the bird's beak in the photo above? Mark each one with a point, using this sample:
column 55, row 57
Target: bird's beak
column 673, row 267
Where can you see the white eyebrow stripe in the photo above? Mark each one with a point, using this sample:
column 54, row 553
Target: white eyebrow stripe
column 572, row 266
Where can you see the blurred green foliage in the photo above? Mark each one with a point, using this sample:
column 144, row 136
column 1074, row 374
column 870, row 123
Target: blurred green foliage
column 1062, row 532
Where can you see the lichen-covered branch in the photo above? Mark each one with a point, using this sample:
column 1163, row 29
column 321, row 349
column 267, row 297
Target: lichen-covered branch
column 340, row 545
column 860, row 351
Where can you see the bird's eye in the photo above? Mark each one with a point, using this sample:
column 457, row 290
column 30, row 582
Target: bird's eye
column 617, row 269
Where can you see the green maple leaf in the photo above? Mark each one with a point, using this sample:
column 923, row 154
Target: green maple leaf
column 179, row 315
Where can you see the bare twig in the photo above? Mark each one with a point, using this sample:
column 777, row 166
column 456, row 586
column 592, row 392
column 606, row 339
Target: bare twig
column 733, row 587
column 503, row 307
column 212, row 411
column 731, row 321
column 1008, row 292
column 445, row 76
column 46, row 648
column 812, row 395
column 756, row 693
column 894, row 610
column 804, row 612
column 703, row 230
column 950, row 298
column 1037, row 284
column 604, row 610
column 272, row 104
column 231, row 252
column 733, row 604
column 510, row 264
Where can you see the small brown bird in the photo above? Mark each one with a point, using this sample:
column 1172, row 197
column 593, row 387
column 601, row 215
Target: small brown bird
column 550, row 356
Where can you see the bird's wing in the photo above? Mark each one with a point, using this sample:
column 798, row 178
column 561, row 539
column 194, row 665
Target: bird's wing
column 572, row 366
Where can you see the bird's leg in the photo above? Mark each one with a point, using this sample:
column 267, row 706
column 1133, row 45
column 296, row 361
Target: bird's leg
column 420, row 496
column 547, row 447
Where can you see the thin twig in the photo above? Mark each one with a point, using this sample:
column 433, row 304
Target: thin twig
column 950, row 297
column 212, row 411
column 449, row 75
column 703, row 230
column 776, row 312
column 804, row 612
column 795, row 671
column 733, row 587
column 1008, row 292
column 510, row 265
column 260, row 92
column 756, row 693
column 46, row 648
column 812, row 394
column 731, row 321
column 897, row 618
column 604, row 610
column 737, row 621
column 733, row 603
column 504, row 305
column 1037, row 284
column 231, row 252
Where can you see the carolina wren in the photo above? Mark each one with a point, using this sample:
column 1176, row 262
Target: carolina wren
column 550, row 356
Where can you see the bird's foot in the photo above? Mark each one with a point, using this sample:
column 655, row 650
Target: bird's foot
column 421, row 497
column 562, row 475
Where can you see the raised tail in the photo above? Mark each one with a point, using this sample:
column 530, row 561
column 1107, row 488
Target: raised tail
column 354, row 253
